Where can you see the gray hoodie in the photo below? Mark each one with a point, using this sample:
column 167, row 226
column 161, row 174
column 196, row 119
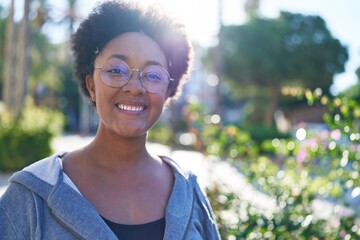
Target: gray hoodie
column 41, row 202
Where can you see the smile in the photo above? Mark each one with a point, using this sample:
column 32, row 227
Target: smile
column 130, row 108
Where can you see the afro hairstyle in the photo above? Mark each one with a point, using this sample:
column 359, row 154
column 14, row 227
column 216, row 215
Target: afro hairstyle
column 111, row 18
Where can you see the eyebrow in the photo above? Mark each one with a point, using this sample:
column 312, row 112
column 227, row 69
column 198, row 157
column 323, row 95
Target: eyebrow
column 126, row 58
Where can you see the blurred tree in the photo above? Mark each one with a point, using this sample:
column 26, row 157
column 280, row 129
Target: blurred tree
column 44, row 78
column 291, row 50
column 52, row 74
column 71, row 15
column 252, row 8
column 42, row 13
column 353, row 92
column 56, row 86
column 50, row 77
column 9, row 58
column 22, row 63
column 2, row 47
column 16, row 67
column 73, row 104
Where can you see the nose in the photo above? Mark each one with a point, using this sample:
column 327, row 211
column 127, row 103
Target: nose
column 134, row 84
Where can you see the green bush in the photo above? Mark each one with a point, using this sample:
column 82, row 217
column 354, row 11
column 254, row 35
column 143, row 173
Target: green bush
column 161, row 133
column 262, row 133
column 29, row 139
column 293, row 173
column 19, row 148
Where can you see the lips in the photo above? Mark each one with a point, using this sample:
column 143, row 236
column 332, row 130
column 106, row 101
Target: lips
column 131, row 108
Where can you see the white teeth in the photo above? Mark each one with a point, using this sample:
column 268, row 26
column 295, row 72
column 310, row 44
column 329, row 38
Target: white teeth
column 129, row 108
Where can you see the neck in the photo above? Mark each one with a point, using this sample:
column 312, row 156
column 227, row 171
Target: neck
column 111, row 151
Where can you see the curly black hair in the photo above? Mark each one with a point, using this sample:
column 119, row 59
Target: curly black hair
column 110, row 19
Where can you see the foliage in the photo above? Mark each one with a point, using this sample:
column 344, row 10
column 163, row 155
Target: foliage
column 2, row 44
column 161, row 134
column 260, row 133
column 292, row 50
column 44, row 60
column 353, row 92
column 69, row 100
column 51, row 73
column 238, row 219
column 297, row 173
column 29, row 139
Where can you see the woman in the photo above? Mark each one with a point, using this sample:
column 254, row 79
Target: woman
column 129, row 63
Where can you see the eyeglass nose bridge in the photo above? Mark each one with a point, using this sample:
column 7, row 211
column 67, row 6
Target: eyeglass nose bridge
column 135, row 70
column 139, row 76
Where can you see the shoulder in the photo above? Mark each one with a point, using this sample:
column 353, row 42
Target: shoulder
column 186, row 174
column 202, row 216
column 38, row 178
column 17, row 211
column 47, row 169
column 23, row 200
column 16, row 198
column 190, row 179
column 176, row 168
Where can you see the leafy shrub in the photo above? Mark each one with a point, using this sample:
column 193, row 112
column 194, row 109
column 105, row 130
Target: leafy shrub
column 294, row 219
column 161, row 133
column 29, row 139
column 262, row 133
column 19, row 148
column 322, row 166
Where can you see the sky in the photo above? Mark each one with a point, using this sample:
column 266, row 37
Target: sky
column 201, row 17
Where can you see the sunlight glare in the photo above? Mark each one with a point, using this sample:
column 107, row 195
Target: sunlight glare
column 199, row 17
column 356, row 192
column 301, row 134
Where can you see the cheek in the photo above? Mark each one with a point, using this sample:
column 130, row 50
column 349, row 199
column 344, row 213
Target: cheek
column 157, row 107
column 104, row 95
column 159, row 100
column 103, row 91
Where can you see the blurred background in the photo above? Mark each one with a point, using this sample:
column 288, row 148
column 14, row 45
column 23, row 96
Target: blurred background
column 274, row 93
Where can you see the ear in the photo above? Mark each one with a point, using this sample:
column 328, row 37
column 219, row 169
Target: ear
column 168, row 99
column 90, row 85
column 169, row 92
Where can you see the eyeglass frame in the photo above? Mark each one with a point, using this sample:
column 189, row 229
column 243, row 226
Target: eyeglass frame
column 131, row 71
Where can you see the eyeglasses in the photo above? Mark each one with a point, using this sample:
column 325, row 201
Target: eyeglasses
column 116, row 73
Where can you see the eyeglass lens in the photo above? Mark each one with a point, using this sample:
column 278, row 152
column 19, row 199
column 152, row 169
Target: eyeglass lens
column 116, row 73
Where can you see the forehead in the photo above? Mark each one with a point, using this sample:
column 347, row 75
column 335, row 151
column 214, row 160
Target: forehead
column 137, row 49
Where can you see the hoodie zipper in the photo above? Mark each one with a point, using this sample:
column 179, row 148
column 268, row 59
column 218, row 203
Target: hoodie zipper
column 72, row 231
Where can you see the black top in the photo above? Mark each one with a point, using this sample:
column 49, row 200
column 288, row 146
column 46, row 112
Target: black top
column 149, row 231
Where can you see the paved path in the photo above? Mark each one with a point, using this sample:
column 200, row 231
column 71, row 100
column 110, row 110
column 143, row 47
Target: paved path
column 4, row 182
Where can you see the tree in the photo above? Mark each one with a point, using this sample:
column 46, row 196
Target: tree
column 16, row 66
column 291, row 50
column 353, row 92
column 71, row 15
column 23, row 62
column 251, row 8
column 18, row 78
column 9, row 58
column 2, row 46
column 77, row 110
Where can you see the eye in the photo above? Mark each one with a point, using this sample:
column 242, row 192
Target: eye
column 153, row 76
column 117, row 71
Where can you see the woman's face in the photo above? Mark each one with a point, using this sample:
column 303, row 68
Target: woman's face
column 128, row 111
